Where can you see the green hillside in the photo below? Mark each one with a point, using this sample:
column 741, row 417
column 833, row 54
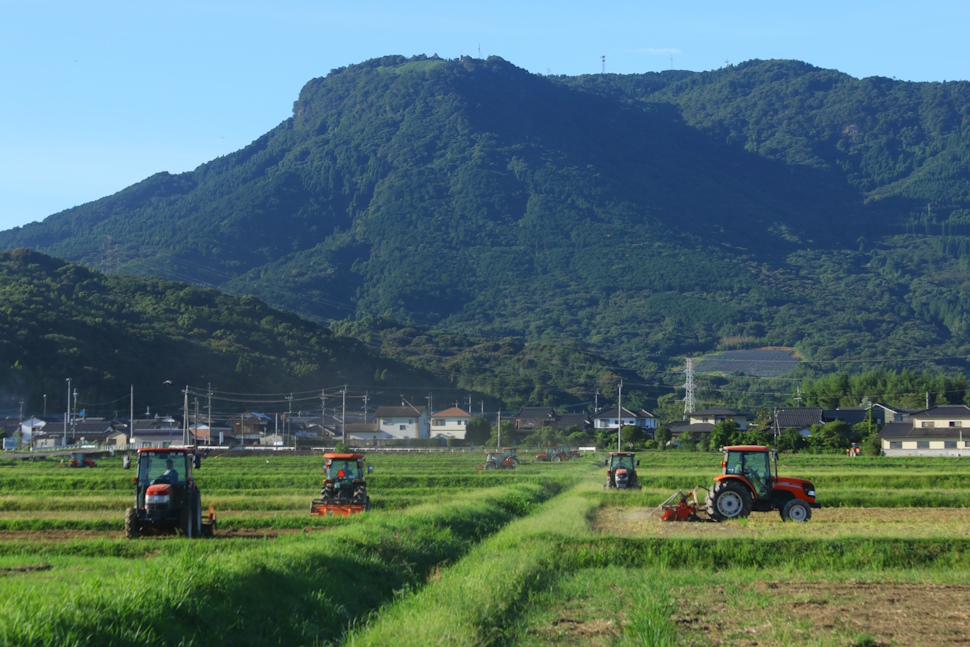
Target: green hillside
column 635, row 218
column 111, row 333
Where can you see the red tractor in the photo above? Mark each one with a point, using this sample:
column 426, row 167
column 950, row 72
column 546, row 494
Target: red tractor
column 510, row 455
column 566, row 450
column 750, row 481
column 167, row 499
column 344, row 489
column 622, row 472
column 552, row 454
column 497, row 460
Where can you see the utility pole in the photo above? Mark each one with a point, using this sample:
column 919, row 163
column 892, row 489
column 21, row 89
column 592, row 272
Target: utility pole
column 323, row 410
column 131, row 416
column 67, row 412
column 619, row 418
column 289, row 421
column 343, row 414
column 185, row 416
column 689, row 388
column 366, row 398
column 208, row 413
column 45, row 405
column 499, row 428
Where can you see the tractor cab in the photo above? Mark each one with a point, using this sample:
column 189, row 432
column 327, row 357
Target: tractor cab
column 622, row 472
column 344, row 467
column 760, row 468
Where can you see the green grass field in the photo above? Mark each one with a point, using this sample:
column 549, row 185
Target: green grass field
column 450, row 555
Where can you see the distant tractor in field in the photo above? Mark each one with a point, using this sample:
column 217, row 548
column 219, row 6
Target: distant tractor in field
column 854, row 450
column 750, row 481
column 79, row 459
column 566, row 450
column 510, row 455
column 344, row 490
column 552, row 454
column 497, row 460
column 167, row 499
column 622, row 471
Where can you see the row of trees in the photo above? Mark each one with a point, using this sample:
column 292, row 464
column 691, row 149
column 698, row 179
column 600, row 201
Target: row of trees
column 835, row 436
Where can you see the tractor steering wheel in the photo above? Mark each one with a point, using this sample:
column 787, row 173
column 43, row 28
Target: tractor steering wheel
column 158, row 480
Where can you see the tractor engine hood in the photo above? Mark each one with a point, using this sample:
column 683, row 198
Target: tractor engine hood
column 792, row 484
column 158, row 495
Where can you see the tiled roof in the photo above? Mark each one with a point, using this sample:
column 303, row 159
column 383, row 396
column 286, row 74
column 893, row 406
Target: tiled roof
column 453, row 412
column 798, row 417
column 948, row 411
column 399, row 412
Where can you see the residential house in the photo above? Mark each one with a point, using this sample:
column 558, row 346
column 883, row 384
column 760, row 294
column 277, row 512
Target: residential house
column 800, row 418
column 365, row 431
column 612, row 418
column 881, row 414
column 450, row 423
column 249, row 426
column 700, row 424
column 405, row 421
column 567, row 421
column 528, row 419
column 937, row 431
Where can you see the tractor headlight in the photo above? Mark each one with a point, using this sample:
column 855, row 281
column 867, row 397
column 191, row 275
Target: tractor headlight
column 809, row 489
column 156, row 499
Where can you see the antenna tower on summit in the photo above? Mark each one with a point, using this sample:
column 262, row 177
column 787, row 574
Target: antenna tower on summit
column 603, row 59
column 689, row 388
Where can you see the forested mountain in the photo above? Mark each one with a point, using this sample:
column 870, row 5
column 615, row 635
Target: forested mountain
column 640, row 218
column 111, row 333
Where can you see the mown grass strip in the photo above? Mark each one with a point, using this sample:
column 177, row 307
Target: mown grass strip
column 297, row 589
column 849, row 553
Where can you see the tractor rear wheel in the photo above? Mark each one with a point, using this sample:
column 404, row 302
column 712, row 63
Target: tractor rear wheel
column 796, row 510
column 132, row 527
column 513, row 460
column 490, row 465
column 556, row 459
column 728, row 500
column 360, row 496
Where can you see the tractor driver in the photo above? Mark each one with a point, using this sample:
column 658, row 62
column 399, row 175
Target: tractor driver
column 347, row 471
column 171, row 474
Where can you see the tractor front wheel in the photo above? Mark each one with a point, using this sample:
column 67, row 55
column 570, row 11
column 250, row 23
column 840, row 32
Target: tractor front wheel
column 728, row 500
column 796, row 510
column 132, row 527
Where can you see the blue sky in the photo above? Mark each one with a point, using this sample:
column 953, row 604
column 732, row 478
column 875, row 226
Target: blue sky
column 98, row 95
